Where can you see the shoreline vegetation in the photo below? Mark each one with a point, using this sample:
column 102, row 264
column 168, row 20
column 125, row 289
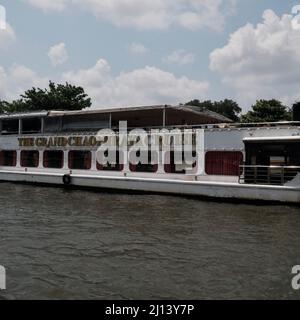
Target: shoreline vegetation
column 70, row 97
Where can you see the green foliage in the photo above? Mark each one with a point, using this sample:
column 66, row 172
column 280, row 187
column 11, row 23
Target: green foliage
column 56, row 97
column 3, row 106
column 296, row 111
column 12, row 107
column 227, row 108
column 267, row 111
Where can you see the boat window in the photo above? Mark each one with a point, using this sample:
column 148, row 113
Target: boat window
column 171, row 165
column 53, row 159
column 29, row 159
column 145, row 167
column 8, row 158
column 92, row 122
column 274, row 162
column 31, row 125
column 268, row 154
column 277, row 161
column 225, row 163
column 52, row 124
column 80, row 160
column 111, row 166
column 10, row 126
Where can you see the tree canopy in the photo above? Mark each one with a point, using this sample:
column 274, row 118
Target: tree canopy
column 56, row 97
column 227, row 108
column 267, row 111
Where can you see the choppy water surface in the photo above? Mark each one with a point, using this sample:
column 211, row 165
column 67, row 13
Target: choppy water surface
column 59, row 244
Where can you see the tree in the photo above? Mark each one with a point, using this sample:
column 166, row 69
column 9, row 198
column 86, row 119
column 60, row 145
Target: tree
column 12, row 107
column 267, row 111
column 56, row 97
column 3, row 106
column 227, row 108
column 296, row 111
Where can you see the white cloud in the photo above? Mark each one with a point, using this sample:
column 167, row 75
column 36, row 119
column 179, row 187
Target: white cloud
column 2, row 18
column 137, row 49
column 150, row 14
column 58, row 54
column 180, row 57
column 3, row 84
column 49, row 5
column 7, row 36
column 144, row 86
column 261, row 61
column 17, row 79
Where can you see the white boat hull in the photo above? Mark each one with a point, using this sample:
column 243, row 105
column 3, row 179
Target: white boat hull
column 226, row 190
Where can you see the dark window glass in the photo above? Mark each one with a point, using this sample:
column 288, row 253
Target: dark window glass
column 171, row 167
column 111, row 167
column 52, row 124
column 10, row 126
column 223, row 163
column 32, row 125
column 30, row 159
column 80, row 160
column 8, row 158
column 53, row 159
column 140, row 167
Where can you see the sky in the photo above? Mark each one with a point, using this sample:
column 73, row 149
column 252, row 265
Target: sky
column 147, row 52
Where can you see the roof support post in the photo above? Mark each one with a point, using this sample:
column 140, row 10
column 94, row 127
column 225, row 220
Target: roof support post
column 61, row 120
column 20, row 126
column 42, row 125
column 110, row 120
column 164, row 117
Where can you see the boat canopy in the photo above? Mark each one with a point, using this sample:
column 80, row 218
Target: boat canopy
column 39, row 114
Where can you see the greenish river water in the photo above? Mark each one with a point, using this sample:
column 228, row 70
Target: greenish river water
column 60, row 244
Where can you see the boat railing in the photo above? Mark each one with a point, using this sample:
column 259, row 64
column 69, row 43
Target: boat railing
column 221, row 126
column 269, row 175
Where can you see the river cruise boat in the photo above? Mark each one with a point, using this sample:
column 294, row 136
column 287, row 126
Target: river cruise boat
column 259, row 162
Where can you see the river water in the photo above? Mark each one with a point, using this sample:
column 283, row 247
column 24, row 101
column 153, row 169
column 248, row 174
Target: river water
column 62, row 244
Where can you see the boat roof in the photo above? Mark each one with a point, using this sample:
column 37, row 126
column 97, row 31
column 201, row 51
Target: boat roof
column 191, row 109
column 22, row 115
column 204, row 115
column 59, row 113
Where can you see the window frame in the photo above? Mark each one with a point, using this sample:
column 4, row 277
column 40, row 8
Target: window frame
column 46, row 158
column 71, row 167
column 22, row 159
column 222, row 170
column 144, row 168
column 2, row 158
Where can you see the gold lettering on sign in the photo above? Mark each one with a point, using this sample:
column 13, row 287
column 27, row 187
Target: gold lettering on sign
column 62, row 142
column 51, row 142
column 26, row 142
column 71, row 142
